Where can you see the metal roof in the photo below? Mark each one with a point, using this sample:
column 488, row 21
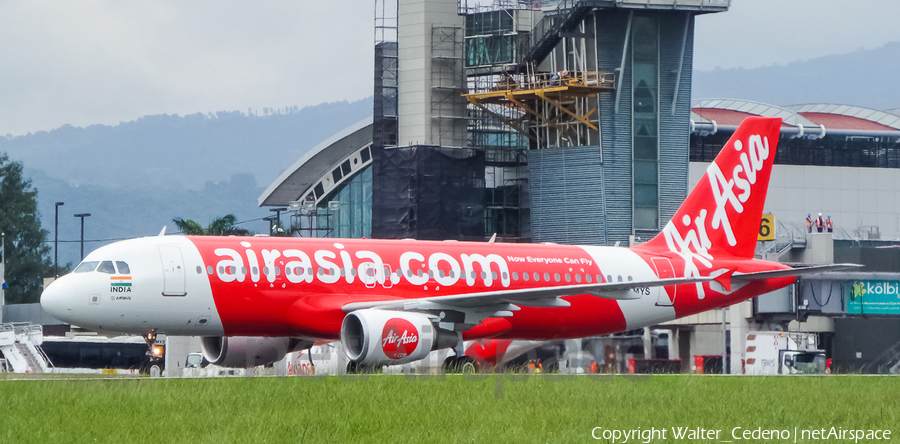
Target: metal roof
column 317, row 162
column 748, row 107
column 849, row 117
column 808, row 120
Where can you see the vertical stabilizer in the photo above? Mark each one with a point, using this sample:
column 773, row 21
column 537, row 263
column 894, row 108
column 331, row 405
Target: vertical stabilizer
column 721, row 215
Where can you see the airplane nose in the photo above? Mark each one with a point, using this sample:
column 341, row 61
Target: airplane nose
column 55, row 302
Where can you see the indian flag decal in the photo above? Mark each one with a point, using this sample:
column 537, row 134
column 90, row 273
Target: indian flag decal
column 120, row 281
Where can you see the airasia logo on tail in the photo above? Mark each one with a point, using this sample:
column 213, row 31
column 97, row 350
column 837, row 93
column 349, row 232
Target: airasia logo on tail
column 714, row 218
column 399, row 338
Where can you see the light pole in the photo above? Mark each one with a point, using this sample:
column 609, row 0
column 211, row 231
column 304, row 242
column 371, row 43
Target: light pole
column 56, row 239
column 271, row 220
column 277, row 219
column 2, row 273
column 82, row 216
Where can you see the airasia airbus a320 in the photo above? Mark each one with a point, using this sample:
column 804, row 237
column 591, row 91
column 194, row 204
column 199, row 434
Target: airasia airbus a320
column 254, row 299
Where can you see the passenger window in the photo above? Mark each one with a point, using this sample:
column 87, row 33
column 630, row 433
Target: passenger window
column 106, row 267
column 123, row 267
column 86, row 267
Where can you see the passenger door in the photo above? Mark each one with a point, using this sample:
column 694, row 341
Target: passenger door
column 173, row 271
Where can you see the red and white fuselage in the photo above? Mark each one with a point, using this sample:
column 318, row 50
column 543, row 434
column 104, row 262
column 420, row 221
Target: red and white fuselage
column 309, row 287
column 262, row 286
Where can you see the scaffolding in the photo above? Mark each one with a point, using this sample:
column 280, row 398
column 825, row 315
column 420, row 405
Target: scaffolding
column 555, row 109
column 387, row 67
column 448, row 107
column 494, row 36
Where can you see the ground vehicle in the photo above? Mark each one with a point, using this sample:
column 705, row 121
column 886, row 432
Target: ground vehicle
column 783, row 353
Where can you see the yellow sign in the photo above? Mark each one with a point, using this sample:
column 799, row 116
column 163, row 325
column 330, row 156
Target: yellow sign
column 110, row 371
column 767, row 228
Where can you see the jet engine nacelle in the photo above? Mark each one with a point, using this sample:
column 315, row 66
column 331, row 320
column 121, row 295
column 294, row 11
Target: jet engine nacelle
column 380, row 337
column 246, row 352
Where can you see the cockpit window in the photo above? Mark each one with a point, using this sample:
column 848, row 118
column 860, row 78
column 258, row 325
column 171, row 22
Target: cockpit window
column 123, row 267
column 86, row 267
column 106, row 267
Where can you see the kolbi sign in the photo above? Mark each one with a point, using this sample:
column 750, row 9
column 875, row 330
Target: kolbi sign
column 873, row 297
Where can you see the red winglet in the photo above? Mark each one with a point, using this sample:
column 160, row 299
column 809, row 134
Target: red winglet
column 724, row 279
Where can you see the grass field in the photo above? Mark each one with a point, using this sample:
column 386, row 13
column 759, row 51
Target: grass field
column 383, row 408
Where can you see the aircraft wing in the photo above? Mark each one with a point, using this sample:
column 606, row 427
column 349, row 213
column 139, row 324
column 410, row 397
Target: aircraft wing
column 531, row 297
column 791, row 272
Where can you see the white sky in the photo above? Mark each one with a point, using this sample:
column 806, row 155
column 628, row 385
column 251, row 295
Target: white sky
column 756, row 33
column 106, row 61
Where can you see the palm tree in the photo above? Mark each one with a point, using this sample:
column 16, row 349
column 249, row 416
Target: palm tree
column 189, row 227
column 223, row 226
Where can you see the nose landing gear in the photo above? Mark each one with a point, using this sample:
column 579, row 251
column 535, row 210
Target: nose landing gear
column 156, row 350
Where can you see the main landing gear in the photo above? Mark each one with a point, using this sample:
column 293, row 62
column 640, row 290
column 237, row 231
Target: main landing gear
column 460, row 364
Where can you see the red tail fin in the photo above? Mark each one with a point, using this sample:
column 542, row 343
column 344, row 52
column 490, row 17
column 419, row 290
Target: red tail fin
column 721, row 216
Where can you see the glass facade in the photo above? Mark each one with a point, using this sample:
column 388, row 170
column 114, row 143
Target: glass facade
column 837, row 151
column 645, row 124
column 490, row 38
column 353, row 219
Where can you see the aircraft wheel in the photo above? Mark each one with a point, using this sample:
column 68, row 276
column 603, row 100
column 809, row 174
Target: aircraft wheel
column 467, row 365
column 460, row 364
column 449, row 365
column 353, row 368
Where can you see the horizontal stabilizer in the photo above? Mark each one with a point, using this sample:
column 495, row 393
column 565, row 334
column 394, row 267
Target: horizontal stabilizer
column 792, row 272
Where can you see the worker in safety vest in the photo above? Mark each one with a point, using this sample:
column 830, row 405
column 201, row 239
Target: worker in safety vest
column 809, row 222
column 829, row 224
column 820, row 223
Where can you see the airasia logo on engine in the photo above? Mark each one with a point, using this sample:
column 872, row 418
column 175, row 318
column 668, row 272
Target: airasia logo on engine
column 399, row 338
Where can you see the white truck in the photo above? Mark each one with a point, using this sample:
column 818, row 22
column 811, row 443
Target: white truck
column 783, row 353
